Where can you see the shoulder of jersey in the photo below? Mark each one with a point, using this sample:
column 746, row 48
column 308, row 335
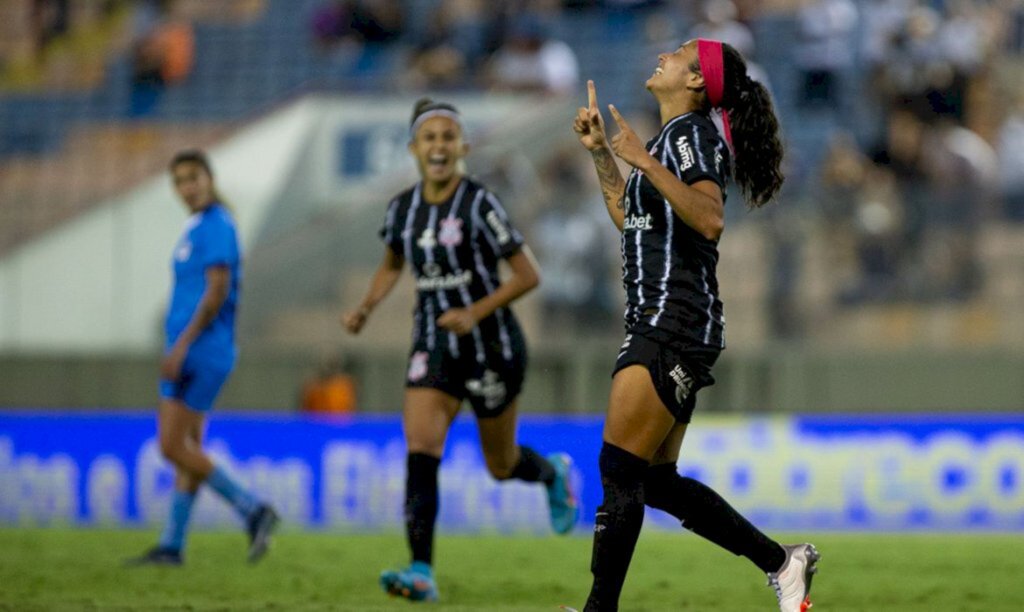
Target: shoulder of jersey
column 219, row 216
column 703, row 123
column 405, row 195
column 473, row 185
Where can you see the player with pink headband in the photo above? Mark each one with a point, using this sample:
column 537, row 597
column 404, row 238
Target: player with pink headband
column 670, row 211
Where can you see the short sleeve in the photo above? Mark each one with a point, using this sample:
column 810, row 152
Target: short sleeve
column 695, row 153
column 388, row 232
column 219, row 242
column 497, row 233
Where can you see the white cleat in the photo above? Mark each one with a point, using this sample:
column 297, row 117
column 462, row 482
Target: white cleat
column 792, row 583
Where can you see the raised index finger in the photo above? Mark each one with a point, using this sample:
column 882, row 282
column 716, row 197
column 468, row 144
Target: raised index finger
column 592, row 95
column 619, row 120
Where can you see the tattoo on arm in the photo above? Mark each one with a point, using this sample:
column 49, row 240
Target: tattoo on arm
column 612, row 185
column 621, row 203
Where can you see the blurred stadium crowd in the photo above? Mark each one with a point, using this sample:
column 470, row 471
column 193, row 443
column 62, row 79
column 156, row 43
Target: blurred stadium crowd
column 904, row 121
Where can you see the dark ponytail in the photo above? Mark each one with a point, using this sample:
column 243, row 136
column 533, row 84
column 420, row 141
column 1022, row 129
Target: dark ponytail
column 755, row 131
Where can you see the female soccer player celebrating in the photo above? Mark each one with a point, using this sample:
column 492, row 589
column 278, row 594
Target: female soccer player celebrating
column 670, row 213
column 200, row 354
column 466, row 342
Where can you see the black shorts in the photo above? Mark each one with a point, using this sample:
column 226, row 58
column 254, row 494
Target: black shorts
column 678, row 372
column 490, row 378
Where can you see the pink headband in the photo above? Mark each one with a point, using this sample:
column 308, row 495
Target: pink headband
column 712, row 66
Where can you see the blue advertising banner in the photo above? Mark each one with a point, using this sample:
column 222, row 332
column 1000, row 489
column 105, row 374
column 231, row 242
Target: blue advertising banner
column 798, row 473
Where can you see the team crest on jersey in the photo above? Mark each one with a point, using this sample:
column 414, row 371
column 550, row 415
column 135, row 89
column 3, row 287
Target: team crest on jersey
column 451, row 232
column 684, row 383
column 183, row 251
column 418, row 366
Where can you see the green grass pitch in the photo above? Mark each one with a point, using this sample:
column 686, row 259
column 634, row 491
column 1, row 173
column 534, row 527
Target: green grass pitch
column 66, row 569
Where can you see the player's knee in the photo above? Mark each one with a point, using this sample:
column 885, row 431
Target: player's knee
column 618, row 464
column 171, row 449
column 659, row 481
column 425, row 447
column 500, row 468
column 190, row 483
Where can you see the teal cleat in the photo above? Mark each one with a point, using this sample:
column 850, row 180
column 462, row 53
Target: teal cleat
column 416, row 583
column 561, row 501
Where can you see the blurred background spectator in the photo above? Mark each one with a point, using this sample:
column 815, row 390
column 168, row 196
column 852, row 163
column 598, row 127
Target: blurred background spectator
column 358, row 22
column 530, row 61
column 719, row 23
column 332, row 390
column 1010, row 153
column 824, row 50
column 50, row 19
column 571, row 236
column 162, row 55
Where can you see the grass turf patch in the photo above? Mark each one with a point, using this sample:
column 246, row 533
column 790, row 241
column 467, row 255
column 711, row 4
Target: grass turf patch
column 81, row 569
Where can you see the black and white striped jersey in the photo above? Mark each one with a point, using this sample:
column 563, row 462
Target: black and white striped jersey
column 453, row 251
column 668, row 269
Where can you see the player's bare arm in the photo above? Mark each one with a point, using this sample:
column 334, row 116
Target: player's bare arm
column 589, row 126
column 699, row 205
column 384, row 279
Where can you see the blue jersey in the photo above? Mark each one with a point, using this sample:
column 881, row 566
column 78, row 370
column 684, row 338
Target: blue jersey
column 209, row 239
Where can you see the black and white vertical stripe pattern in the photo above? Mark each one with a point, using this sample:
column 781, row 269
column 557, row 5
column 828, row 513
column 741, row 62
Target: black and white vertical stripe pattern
column 485, row 276
column 453, row 261
column 439, row 293
column 668, row 267
column 454, row 249
column 409, row 236
column 637, row 201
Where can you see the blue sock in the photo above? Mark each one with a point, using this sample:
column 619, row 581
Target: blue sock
column 421, row 567
column 173, row 535
column 235, row 494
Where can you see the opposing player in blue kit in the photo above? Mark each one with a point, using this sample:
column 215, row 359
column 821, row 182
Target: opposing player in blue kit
column 199, row 355
column 467, row 344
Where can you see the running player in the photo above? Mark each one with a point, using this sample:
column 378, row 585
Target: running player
column 200, row 354
column 670, row 213
column 466, row 343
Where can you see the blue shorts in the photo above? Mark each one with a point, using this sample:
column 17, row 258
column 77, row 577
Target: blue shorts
column 198, row 385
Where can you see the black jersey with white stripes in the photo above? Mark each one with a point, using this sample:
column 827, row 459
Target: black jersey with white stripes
column 668, row 268
column 453, row 249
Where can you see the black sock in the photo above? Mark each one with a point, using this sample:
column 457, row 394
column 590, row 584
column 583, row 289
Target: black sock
column 705, row 513
column 532, row 467
column 421, row 505
column 617, row 525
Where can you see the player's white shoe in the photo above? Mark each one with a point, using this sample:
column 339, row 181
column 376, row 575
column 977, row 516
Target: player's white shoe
column 792, row 583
